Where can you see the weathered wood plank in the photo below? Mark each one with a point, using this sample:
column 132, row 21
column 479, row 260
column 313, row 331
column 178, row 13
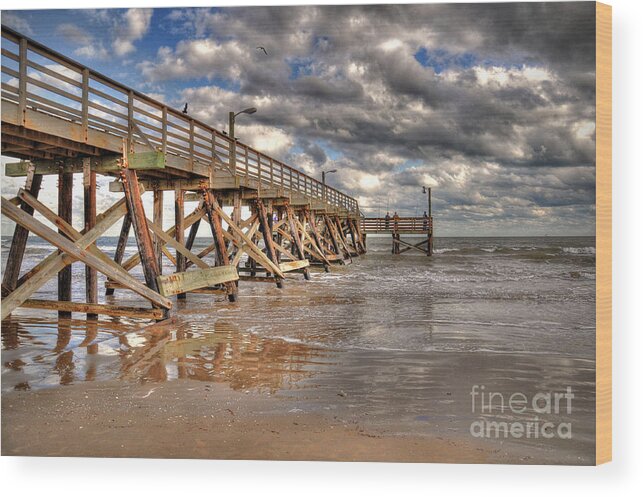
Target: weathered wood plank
column 205, row 290
column 294, row 265
column 173, row 284
column 93, row 309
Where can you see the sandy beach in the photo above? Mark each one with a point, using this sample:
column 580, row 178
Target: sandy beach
column 189, row 419
column 375, row 361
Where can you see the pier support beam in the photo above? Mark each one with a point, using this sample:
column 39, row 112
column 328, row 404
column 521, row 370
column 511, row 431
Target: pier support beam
column 65, row 199
column 157, row 218
column 120, row 246
column 267, row 238
column 89, row 197
column 210, row 203
column 299, row 247
column 312, row 222
column 333, row 237
column 179, row 230
column 20, row 235
column 141, row 230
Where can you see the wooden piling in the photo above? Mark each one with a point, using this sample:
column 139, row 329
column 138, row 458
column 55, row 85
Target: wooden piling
column 267, row 238
column 89, row 197
column 222, row 258
column 20, row 236
column 65, row 201
column 331, row 232
column 179, row 230
column 139, row 224
column 312, row 222
column 292, row 222
column 120, row 246
column 157, row 218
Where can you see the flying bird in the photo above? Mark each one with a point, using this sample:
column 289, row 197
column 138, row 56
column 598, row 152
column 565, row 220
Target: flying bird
column 185, row 109
column 264, row 50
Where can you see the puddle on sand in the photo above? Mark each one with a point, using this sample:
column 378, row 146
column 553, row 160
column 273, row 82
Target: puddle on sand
column 41, row 353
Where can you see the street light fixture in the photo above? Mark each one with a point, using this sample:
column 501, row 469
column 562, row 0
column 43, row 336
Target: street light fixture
column 232, row 115
column 324, row 181
column 233, row 144
column 327, row 172
column 426, row 190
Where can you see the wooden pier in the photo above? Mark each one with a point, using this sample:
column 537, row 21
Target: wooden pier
column 62, row 118
column 397, row 226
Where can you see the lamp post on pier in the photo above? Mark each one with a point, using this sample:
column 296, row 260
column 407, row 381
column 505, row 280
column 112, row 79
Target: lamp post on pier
column 429, row 221
column 233, row 144
column 324, row 173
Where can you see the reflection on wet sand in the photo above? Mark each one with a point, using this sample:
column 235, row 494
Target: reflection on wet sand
column 39, row 353
column 222, row 353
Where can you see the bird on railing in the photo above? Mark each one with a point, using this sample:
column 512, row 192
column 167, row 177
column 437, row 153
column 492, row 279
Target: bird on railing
column 185, row 109
column 264, row 50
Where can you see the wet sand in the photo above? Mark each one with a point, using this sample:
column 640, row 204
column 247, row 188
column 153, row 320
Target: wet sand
column 190, row 419
column 375, row 361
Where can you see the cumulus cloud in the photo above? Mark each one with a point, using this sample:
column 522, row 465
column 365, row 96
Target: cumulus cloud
column 17, row 22
column 106, row 33
column 135, row 24
column 492, row 105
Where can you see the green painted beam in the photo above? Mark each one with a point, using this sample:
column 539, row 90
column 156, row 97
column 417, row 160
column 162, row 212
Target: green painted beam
column 104, row 164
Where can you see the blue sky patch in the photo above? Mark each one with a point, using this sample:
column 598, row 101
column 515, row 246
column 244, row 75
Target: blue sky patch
column 440, row 59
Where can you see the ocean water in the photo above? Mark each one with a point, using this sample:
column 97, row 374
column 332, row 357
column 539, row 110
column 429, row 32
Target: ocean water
column 398, row 340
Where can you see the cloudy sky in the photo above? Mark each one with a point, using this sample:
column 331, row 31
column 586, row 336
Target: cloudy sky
column 492, row 105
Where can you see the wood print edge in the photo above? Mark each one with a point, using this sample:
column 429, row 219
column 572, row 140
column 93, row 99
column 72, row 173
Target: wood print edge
column 603, row 233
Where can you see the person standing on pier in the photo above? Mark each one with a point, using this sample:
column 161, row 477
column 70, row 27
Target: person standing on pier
column 387, row 220
column 396, row 218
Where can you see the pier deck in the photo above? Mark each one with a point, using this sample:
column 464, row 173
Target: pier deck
column 396, row 226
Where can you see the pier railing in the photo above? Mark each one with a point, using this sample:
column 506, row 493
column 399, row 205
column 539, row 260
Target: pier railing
column 40, row 80
column 402, row 224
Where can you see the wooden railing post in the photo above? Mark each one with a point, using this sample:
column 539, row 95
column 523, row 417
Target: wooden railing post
column 164, row 131
column 130, row 124
column 85, row 104
column 192, row 144
column 22, row 82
